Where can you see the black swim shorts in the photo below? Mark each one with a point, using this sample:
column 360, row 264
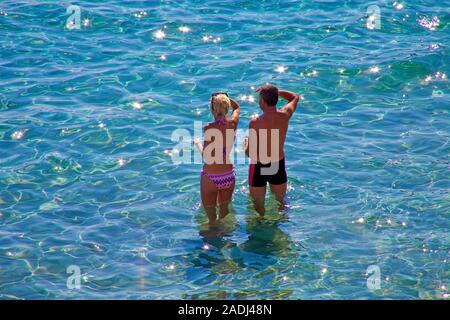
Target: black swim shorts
column 274, row 173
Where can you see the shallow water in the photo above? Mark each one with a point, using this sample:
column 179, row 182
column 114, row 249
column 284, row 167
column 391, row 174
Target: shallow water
column 86, row 176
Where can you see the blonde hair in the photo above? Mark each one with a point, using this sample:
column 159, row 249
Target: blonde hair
column 220, row 105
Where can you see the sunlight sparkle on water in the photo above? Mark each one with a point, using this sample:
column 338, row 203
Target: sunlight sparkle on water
column 374, row 70
column 438, row 76
column 430, row 24
column 184, row 29
column 360, row 220
column 171, row 267
column 136, row 105
column 87, row 23
column 140, row 14
column 281, row 69
column 160, row 34
column 19, row 135
column 434, row 46
column 398, row 5
column 313, row 73
column 248, row 98
column 211, row 38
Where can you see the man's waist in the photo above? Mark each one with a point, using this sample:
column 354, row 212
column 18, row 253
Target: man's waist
column 269, row 162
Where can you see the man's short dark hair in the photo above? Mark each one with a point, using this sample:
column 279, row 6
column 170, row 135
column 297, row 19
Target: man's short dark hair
column 269, row 94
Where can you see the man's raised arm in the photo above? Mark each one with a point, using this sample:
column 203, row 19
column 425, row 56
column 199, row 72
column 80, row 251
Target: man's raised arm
column 292, row 99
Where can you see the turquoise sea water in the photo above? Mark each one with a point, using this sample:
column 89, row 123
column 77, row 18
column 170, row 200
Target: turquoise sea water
column 86, row 177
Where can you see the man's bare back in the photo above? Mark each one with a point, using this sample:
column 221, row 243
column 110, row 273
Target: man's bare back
column 275, row 126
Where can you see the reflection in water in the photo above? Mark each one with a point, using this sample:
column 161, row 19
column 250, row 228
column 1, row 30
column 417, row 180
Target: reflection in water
column 218, row 253
column 266, row 238
column 267, row 255
column 264, row 234
column 270, row 254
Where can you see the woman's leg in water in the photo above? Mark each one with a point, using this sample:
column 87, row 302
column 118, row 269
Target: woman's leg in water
column 224, row 198
column 209, row 193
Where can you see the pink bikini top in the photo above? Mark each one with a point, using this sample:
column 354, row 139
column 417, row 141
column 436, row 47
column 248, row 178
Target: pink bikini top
column 221, row 121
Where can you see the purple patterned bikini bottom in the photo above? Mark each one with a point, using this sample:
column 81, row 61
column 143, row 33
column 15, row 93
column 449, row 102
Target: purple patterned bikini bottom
column 222, row 180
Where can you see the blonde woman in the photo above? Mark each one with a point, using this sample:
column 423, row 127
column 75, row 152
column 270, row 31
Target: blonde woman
column 217, row 177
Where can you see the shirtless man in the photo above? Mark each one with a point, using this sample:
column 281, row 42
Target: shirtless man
column 265, row 145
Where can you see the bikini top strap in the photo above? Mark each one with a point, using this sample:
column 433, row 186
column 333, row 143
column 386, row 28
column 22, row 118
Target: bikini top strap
column 221, row 121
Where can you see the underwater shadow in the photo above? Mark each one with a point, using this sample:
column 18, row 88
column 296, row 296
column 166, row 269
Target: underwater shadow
column 219, row 253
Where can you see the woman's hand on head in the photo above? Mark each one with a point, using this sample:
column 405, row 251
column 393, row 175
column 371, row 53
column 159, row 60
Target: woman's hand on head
column 234, row 104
